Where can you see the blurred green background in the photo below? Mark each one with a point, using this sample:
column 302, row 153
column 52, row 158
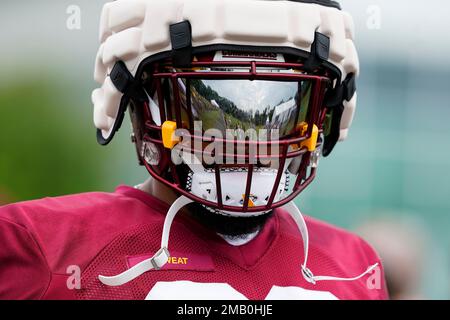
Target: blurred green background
column 395, row 166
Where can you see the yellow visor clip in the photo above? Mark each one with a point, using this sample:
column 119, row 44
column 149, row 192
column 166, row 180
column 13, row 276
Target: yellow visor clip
column 311, row 143
column 170, row 140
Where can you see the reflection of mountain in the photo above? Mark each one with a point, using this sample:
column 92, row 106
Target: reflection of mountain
column 205, row 99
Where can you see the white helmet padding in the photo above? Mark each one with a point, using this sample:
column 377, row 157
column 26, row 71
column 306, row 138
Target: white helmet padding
column 134, row 30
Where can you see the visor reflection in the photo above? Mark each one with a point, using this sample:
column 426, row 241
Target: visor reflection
column 246, row 104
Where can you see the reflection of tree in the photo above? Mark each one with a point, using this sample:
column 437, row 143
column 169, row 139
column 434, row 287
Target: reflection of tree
column 261, row 118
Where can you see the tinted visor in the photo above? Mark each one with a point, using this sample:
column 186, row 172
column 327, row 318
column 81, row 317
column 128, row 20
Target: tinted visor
column 245, row 104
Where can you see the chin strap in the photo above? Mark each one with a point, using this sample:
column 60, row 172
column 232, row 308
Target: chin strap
column 162, row 256
column 159, row 260
column 295, row 213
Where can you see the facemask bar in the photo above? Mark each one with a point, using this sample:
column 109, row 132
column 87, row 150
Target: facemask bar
column 289, row 147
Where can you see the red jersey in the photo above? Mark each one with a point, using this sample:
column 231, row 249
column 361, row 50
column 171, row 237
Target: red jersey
column 56, row 248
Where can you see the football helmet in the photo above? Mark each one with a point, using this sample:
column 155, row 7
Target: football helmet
column 263, row 88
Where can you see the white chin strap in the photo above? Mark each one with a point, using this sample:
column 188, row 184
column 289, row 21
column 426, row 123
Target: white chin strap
column 159, row 259
column 307, row 274
column 162, row 256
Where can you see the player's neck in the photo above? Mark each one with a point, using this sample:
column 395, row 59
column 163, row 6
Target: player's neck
column 158, row 190
column 239, row 241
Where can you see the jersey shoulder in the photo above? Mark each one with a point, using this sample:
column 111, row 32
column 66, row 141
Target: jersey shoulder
column 42, row 239
column 340, row 242
column 79, row 225
column 106, row 209
column 337, row 252
column 327, row 238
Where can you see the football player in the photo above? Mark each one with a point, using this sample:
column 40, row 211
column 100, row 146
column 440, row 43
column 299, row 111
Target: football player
column 233, row 103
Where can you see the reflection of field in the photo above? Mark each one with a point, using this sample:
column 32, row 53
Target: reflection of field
column 210, row 115
column 213, row 119
column 234, row 123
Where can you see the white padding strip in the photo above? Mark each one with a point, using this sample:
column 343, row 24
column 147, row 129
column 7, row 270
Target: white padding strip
column 126, row 15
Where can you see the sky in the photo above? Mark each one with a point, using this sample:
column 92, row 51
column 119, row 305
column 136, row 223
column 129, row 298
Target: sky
column 253, row 95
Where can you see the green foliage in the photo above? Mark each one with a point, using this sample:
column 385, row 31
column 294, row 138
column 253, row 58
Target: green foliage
column 45, row 150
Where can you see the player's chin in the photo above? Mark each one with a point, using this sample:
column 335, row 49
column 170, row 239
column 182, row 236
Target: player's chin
column 228, row 225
